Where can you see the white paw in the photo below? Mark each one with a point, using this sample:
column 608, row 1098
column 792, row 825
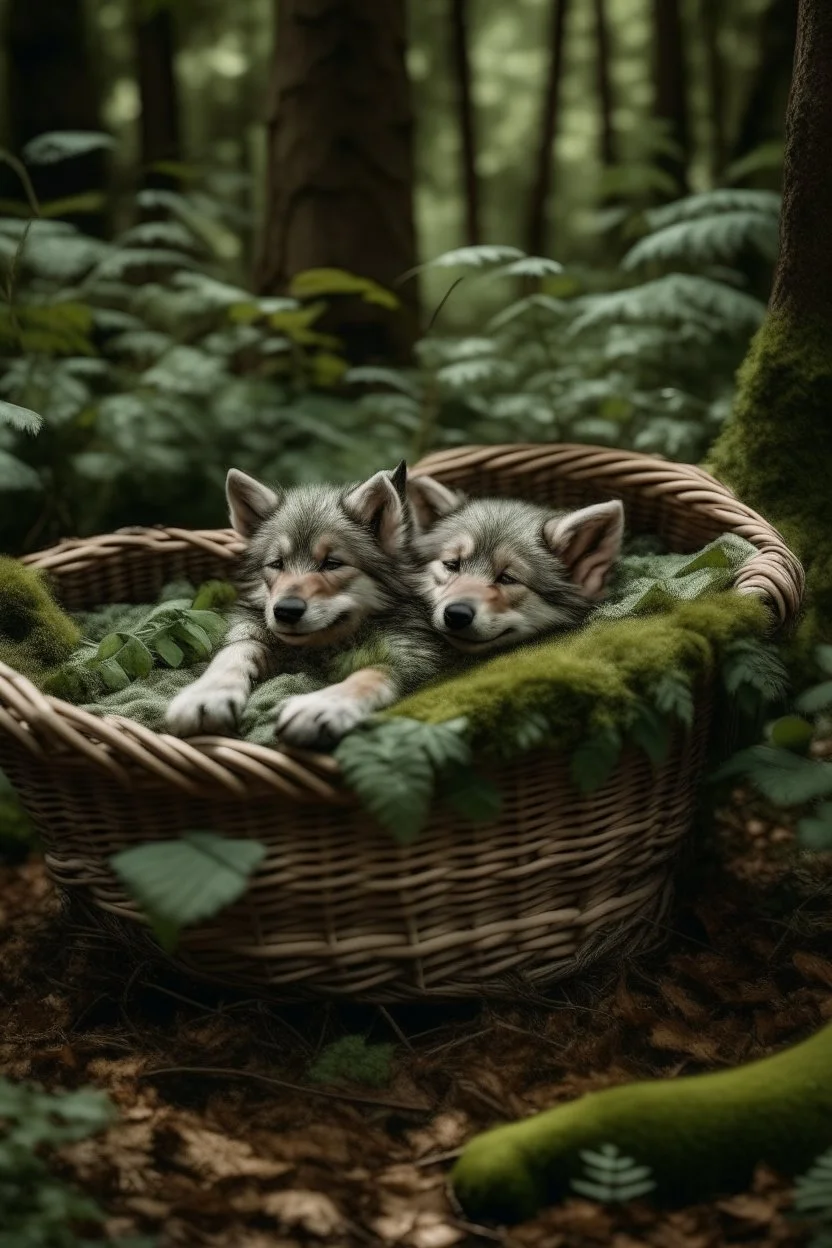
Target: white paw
column 208, row 709
column 318, row 719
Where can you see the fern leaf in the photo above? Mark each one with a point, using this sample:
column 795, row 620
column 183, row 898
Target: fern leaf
column 709, row 203
column 673, row 299
column 707, row 240
column 56, row 145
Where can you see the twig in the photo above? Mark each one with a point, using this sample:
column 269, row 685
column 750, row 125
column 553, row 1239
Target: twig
column 226, row 1073
column 394, row 1027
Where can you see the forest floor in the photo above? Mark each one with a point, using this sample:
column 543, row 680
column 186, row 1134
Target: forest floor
column 227, row 1158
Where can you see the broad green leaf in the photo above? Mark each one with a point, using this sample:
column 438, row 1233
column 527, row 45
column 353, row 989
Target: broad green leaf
column 135, row 658
column 650, row 731
column 815, row 831
column 113, row 675
column 74, row 205
column 190, row 634
column 48, row 149
column 109, row 646
column 16, row 475
column 817, row 698
column 785, row 778
column 313, row 282
column 823, row 654
column 167, row 649
column 790, row 732
column 19, row 417
column 595, row 759
column 179, row 883
column 472, row 794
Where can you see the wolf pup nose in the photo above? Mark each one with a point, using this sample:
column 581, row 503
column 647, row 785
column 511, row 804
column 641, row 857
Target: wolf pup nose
column 289, row 610
column 495, row 572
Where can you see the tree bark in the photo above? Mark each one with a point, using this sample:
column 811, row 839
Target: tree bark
column 803, row 278
column 603, row 81
column 670, row 89
column 52, row 85
column 776, row 451
column 155, row 43
column 467, row 128
column 709, row 16
column 762, row 117
column 340, row 161
column 536, row 237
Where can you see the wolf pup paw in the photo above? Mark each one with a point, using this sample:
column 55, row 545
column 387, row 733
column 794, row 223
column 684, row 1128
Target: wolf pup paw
column 318, row 719
column 206, row 710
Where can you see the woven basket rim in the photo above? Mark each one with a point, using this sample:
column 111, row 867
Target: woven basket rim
column 127, row 750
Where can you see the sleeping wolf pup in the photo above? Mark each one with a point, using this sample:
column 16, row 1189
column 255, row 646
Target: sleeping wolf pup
column 326, row 571
column 496, row 572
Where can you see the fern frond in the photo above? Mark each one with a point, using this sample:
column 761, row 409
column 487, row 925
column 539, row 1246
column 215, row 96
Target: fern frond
column 675, row 298
column 708, row 203
column 706, row 240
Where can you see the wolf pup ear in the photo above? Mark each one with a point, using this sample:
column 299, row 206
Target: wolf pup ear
column 588, row 542
column 249, row 501
column 399, row 478
column 377, row 505
column 430, row 500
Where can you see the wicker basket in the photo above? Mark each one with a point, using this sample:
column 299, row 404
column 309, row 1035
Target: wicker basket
column 337, row 908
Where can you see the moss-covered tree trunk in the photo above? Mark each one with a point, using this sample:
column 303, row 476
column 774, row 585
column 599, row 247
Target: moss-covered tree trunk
column 776, row 451
column 339, row 188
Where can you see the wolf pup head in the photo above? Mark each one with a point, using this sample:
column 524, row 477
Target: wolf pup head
column 321, row 559
column 496, row 572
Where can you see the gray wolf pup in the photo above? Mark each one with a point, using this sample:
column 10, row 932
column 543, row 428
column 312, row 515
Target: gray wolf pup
column 327, row 571
column 496, row 572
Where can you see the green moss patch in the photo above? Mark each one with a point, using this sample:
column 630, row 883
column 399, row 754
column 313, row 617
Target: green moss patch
column 35, row 634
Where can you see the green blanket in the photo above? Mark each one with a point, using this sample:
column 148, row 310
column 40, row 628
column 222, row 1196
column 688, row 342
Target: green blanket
column 643, row 584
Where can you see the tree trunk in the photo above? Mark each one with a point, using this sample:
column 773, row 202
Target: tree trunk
column 604, row 84
column 155, row 44
column 777, row 450
column 714, row 70
column 340, row 161
column 462, row 75
column 52, row 85
column 762, row 117
column 536, row 238
column 670, row 89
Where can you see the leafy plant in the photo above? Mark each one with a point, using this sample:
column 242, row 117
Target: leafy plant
column 352, row 1060
column 178, row 883
column 39, row 1209
column 612, row 1178
column 783, row 768
column 813, row 1199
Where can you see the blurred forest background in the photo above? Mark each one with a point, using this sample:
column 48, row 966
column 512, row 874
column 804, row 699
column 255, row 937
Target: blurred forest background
column 210, row 216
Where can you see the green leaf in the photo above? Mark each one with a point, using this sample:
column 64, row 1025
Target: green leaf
column 213, row 596
column 109, row 646
column 167, row 649
column 815, row 831
column 189, row 634
column 471, row 794
column 818, row 698
column 17, row 475
column 179, row 883
column 48, row 149
column 823, row 655
column 785, row 778
column 790, row 732
column 673, row 696
column 113, row 675
column 19, row 417
column 650, row 731
column 312, row 282
column 595, row 759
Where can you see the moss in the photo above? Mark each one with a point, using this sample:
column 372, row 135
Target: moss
column 699, row 1135
column 35, row 634
column 590, row 677
column 776, row 452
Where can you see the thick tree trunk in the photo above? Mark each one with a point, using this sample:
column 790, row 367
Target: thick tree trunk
column 777, row 450
column 670, row 89
column 155, row 43
column 536, row 237
column 340, row 161
column 52, row 85
column 467, row 129
column 714, row 70
column 603, row 81
column 762, row 116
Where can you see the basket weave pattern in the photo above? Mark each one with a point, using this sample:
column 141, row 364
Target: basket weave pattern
column 337, row 908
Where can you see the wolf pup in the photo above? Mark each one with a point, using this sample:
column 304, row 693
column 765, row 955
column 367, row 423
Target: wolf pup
column 496, row 572
column 326, row 570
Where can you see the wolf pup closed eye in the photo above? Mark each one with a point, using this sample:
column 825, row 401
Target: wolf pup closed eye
column 496, row 572
column 326, row 570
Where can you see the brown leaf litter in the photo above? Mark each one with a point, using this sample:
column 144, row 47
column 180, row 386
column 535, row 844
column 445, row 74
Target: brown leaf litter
column 250, row 1155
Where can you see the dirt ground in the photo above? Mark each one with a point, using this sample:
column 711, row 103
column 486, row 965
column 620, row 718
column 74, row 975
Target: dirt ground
column 240, row 1154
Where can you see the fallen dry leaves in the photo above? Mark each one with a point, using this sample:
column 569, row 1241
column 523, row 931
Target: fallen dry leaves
column 230, row 1160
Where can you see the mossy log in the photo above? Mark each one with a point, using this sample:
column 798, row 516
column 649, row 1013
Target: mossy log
column 700, row 1135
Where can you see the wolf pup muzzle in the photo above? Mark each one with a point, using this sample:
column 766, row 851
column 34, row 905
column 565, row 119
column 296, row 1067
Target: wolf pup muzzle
column 289, row 610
